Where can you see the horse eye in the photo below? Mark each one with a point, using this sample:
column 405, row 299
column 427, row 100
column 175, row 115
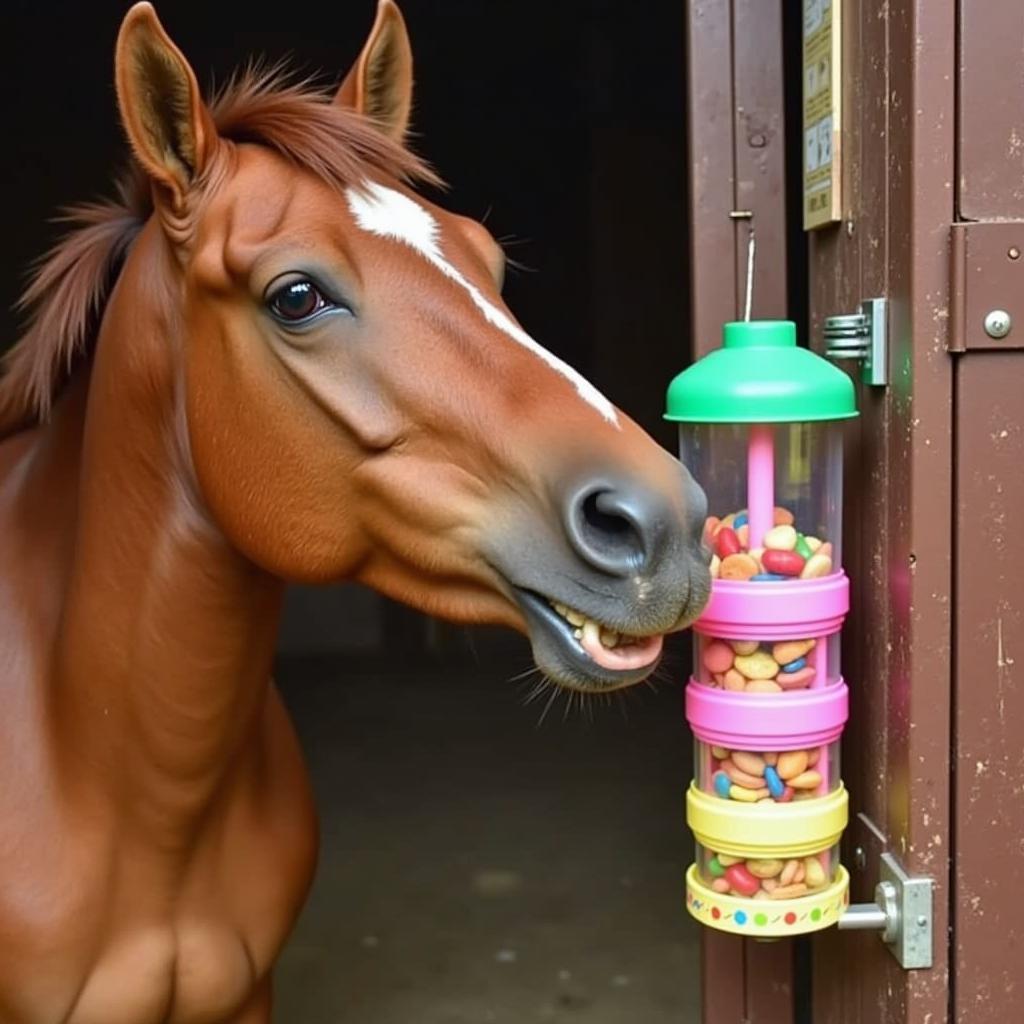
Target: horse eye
column 297, row 301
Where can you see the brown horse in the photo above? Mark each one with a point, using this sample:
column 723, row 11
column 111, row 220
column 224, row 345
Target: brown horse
column 268, row 361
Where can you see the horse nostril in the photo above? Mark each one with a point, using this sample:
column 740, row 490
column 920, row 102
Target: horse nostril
column 612, row 529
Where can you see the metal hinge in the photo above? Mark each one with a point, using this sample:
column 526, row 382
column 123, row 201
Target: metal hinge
column 987, row 286
column 861, row 336
column 901, row 913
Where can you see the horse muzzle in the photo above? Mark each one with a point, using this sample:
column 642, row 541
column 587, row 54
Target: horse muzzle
column 622, row 566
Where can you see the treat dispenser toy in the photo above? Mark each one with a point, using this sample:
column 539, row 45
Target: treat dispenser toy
column 760, row 427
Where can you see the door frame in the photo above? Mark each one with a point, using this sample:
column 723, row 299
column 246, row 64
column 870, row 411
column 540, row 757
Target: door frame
column 899, row 171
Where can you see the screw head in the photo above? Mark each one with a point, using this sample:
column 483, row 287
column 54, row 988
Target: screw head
column 998, row 323
column 1013, row 252
column 860, row 858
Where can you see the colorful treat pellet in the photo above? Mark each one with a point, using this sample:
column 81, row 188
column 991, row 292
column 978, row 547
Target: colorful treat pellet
column 749, row 665
column 767, row 878
column 780, row 538
column 789, row 650
column 762, row 686
column 752, row 777
column 791, row 764
column 798, row 680
column 783, row 563
column 776, row 787
column 741, row 880
column 752, row 764
column 734, row 680
column 744, row 646
column 738, row 567
column 785, row 553
column 718, row 657
column 817, row 565
column 759, row 665
column 727, row 543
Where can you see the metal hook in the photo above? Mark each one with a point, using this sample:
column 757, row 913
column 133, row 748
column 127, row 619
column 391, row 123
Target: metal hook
column 748, row 302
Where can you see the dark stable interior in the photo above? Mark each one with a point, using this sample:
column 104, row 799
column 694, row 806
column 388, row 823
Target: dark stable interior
column 477, row 865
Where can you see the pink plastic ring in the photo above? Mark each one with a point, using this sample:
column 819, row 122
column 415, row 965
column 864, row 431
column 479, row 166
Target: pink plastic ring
column 767, row 721
column 744, row 610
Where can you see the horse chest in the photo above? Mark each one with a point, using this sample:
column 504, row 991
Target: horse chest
column 96, row 928
column 168, row 975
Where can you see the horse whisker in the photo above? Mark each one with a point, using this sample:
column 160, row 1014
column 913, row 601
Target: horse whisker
column 551, row 700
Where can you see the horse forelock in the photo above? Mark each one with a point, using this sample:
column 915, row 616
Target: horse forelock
column 69, row 286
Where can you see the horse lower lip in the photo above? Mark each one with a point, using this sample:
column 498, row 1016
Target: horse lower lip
column 642, row 652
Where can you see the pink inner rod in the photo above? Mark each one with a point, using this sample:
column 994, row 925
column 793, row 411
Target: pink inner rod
column 760, row 483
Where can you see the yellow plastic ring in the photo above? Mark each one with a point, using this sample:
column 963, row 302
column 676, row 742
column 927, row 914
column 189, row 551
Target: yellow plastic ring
column 766, row 830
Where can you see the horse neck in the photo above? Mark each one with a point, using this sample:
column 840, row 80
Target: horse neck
column 164, row 654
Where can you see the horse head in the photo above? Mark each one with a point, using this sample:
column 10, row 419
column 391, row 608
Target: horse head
column 357, row 401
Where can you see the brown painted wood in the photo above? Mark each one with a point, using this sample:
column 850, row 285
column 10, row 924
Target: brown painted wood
column 712, row 174
column 768, row 975
column 737, row 147
column 722, row 995
column 898, row 174
column 714, row 290
column 989, row 909
column 989, row 699
column 990, row 144
column 759, row 148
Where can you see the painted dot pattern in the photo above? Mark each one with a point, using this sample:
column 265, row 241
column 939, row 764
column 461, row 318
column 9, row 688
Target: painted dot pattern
column 821, row 914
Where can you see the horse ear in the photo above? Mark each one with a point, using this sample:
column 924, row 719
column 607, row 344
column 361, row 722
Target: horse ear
column 380, row 82
column 168, row 125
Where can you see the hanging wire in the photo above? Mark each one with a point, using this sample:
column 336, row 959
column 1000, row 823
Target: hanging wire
column 748, row 302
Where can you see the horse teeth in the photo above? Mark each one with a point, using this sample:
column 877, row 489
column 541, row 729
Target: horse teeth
column 589, row 628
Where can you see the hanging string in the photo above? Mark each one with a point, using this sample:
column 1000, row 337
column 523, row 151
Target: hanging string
column 748, row 302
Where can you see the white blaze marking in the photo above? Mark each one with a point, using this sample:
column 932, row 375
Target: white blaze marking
column 391, row 214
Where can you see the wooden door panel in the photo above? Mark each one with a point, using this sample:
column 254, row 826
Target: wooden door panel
column 990, row 145
column 736, row 140
column 989, row 839
column 897, row 198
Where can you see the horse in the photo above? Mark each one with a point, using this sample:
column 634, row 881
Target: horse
column 269, row 359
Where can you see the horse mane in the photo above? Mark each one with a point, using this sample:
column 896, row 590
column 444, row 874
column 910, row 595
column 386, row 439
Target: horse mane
column 69, row 285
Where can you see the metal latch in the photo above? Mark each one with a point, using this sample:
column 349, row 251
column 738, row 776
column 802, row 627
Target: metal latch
column 902, row 913
column 861, row 336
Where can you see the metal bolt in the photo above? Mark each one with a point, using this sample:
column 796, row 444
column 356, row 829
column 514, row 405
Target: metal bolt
column 860, row 858
column 758, row 140
column 1013, row 252
column 998, row 323
column 922, row 921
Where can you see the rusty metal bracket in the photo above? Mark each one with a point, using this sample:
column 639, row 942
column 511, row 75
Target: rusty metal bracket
column 987, row 293
column 901, row 914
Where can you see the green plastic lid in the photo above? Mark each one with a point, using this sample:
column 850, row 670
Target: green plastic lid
column 760, row 375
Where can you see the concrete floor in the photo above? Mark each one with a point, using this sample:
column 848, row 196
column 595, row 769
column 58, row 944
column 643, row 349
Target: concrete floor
column 478, row 868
